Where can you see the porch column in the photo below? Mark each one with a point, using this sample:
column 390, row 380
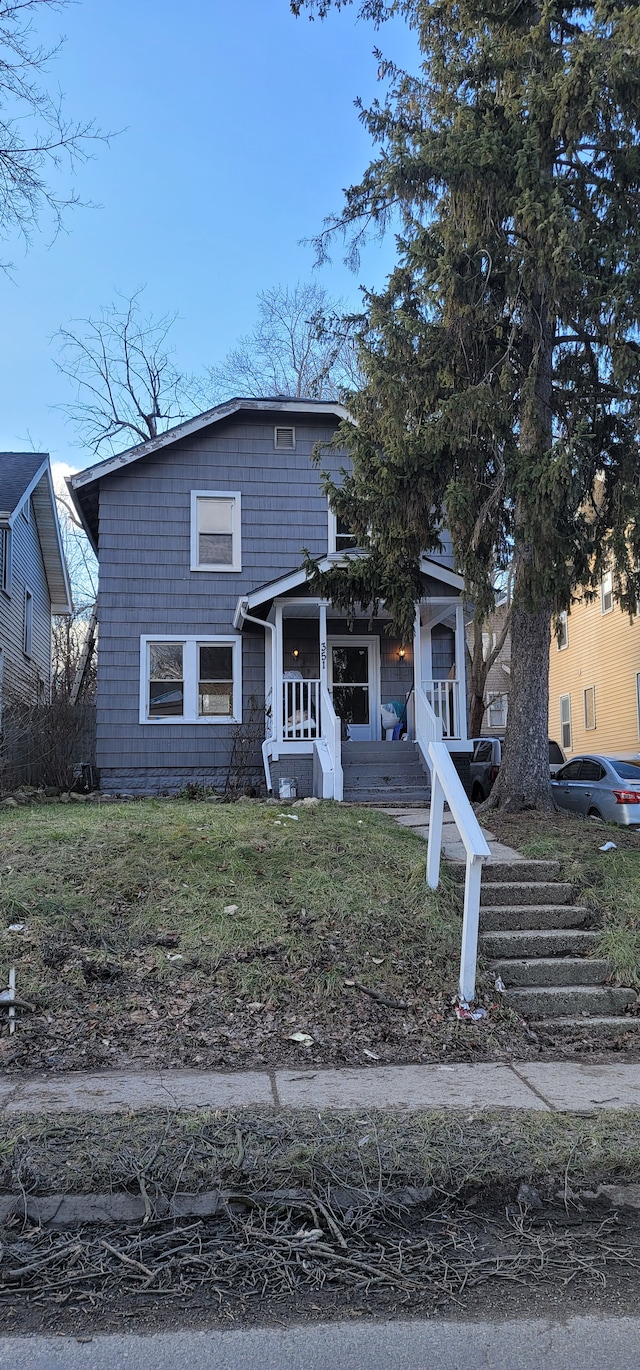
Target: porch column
column 322, row 633
column 417, row 652
column 277, row 675
column 461, row 672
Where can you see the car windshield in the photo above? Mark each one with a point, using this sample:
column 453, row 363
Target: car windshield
column 627, row 770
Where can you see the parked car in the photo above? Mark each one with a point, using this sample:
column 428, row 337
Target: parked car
column 485, row 764
column 600, row 787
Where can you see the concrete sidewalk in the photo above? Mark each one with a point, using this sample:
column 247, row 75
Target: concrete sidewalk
column 538, row 1086
column 452, row 845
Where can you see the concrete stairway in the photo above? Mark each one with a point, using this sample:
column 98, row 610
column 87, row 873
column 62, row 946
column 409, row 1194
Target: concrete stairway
column 384, row 773
column 540, row 943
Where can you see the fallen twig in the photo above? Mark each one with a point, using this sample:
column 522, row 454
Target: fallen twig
column 379, row 997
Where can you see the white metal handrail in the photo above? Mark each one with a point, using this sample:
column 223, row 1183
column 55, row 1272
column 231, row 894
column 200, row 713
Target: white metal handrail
column 444, row 698
column 331, row 730
column 446, row 785
column 300, row 710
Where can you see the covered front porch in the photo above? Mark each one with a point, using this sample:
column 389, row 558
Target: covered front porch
column 331, row 681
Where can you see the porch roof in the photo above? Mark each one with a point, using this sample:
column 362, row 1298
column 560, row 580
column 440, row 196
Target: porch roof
column 430, row 567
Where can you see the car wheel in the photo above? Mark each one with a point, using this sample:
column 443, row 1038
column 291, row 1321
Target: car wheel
column 594, row 813
column 477, row 794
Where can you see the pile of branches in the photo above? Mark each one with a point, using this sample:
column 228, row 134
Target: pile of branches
column 292, row 1243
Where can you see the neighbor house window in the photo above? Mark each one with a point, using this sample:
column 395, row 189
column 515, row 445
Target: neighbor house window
column 565, row 722
column 5, row 560
column 498, row 711
column 638, row 700
column 215, row 530
column 27, row 627
column 590, row 708
column 606, row 592
column 284, row 439
column 562, row 630
column 191, row 679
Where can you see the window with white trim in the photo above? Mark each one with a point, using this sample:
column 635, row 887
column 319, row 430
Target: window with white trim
column 215, row 530
column 5, row 560
column 341, row 539
column 590, row 708
column 498, row 711
column 284, row 439
column 565, row 722
column 562, row 630
column 606, row 592
column 190, row 679
column 27, row 626
column 638, row 700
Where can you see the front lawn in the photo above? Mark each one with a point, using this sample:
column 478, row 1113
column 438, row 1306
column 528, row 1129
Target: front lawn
column 168, row 932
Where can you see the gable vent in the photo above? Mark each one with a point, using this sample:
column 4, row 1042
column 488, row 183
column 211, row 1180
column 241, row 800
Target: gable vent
column 285, row 439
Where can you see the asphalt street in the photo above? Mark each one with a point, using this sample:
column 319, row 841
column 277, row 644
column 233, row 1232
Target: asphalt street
column 590, row 1343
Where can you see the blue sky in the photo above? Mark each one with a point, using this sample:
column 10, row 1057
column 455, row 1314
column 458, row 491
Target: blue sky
column 239, row 134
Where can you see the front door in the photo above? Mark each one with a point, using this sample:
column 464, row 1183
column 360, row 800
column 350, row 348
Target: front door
column 353, row 682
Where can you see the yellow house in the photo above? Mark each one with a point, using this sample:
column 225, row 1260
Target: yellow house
column 594, row 678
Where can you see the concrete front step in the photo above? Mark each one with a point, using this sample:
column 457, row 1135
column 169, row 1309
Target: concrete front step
column 533, row 942
column 387, row 794
column 544, row 972
column 568, row 1000
column 528, row 917
column 502, row 872
column 525, row 892
column 603, row 1026
column 532, row 871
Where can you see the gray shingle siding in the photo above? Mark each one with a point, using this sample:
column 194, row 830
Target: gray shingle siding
column 147, row 587
column 21, row 673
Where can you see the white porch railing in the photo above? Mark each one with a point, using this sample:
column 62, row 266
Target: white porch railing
column 329, row 750
column 300, row 710
column 444, row 698
column 446, row 785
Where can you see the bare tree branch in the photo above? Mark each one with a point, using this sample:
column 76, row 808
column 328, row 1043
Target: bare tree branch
column 127, row 387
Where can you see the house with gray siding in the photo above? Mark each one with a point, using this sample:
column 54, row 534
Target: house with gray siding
column 210, row 641
column 34, row 582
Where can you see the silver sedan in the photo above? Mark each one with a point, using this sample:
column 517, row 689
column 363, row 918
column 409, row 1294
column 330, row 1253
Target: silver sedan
column 600, row 787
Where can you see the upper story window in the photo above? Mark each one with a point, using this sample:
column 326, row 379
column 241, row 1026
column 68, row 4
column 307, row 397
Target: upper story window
column 606, row 592
column 562, row 630
column 26, row 511
column 284, row 439
column 341, row 539
column 5, row 560
column 27, row 639
column 190, row 680
column 215, row 530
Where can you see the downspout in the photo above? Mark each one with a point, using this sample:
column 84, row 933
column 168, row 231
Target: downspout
column 268, row 742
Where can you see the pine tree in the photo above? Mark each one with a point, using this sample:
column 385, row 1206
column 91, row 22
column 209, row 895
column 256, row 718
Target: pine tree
column 502, row 359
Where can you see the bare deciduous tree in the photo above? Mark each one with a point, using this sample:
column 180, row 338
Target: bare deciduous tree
column 127, row 386
column 302, row 345
column 36, row 135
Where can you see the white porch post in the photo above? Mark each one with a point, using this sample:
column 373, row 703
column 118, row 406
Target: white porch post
column 322, row 634
column 461, row 671
column 277, row 675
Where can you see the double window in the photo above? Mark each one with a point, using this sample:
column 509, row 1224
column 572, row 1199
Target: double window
column 215, row 530
column 191, row 680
